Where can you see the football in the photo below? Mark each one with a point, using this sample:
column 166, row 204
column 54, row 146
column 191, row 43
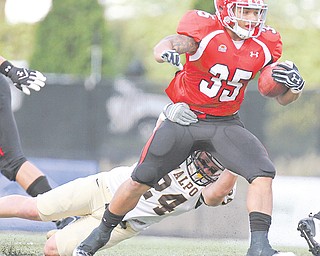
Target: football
column 267, row 86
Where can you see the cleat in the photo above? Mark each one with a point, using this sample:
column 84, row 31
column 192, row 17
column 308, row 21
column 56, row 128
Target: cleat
column 268, row 252
column 80, row 252
column 262, row 251
column 308, row 230
column 60, row 224
column 284, row 254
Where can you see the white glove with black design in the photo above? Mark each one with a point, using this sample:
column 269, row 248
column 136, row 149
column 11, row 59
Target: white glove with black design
column 228, row 198
column 180, row 113
column 289, row 76
column 172, row 57
column 22, row 78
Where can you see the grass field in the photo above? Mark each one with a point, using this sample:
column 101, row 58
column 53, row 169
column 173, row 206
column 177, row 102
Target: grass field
column 31, row 244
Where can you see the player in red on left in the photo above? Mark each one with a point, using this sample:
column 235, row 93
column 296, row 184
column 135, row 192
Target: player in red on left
column 13, row 163
column 223, row 53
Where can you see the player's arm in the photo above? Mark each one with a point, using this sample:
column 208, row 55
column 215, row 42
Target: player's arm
column 171, row 47
column 178, row 113
column 287, row 97
column 215, row 193
column 22, row 78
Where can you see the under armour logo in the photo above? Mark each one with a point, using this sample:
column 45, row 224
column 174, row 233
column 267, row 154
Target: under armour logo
column 7, row 69
column 22, row 74
column 296, row 78
column 254, row 54
column 19, row 73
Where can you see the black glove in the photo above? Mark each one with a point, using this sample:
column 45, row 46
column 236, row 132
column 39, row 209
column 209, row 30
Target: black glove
column 97, row 239
column 289, row 76
column 22, row 78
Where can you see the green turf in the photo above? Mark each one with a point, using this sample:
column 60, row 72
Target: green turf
column 31, row 244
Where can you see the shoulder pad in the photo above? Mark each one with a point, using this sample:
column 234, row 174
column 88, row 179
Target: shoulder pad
column 197, row 24
column 270, row 34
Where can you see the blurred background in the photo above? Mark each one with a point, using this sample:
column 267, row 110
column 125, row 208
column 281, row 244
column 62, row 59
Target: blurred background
column 105, row 91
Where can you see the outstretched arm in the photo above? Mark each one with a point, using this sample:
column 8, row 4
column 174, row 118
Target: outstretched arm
column 170, row 48
column 215, row 193
column 22, row 78
column 287, row 97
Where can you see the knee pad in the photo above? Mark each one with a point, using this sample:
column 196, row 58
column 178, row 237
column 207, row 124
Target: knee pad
column 39, row 186
column 271, row 173
column 10, row 170
column 147, row 176
column 160, row 146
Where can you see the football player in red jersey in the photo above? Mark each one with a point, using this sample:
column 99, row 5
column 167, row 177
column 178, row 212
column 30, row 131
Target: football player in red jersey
column 223, row 53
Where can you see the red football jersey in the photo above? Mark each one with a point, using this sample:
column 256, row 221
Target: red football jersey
column 214, row 79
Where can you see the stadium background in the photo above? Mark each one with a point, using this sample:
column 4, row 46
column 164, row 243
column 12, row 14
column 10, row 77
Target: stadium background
column 80, row 125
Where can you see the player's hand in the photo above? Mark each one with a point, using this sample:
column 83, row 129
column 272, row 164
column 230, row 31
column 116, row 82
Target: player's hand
column 172, row 57
column 22, row 78
column 228, row 198
column 289, row 76
column 180, row 113
column 97, row 239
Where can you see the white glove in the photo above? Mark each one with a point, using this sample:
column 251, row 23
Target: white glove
column 22, row 78
column 289, row 76
column 180, row 113
column 172, row 57
column 228, row 198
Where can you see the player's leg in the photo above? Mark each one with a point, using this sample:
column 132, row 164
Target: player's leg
column 310, row 230
column 32, row 180
column 127, row 195
column 64, row 241
column 169, row 146
column 79, row 197
column 240, row 151
column 13, row 164
column 163, row 153
column 66, row 200
column 259, row 204
column 19, row 206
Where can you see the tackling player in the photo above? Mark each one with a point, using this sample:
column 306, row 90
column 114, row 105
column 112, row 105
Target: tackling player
column 223, row 53
column 201, row 181
column 13, row 164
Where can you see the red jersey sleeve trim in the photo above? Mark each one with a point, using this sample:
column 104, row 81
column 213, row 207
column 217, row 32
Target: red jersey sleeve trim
column 203, row 45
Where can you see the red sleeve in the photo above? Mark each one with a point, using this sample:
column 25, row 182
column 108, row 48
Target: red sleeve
column 196, row 24
column 273, row 40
